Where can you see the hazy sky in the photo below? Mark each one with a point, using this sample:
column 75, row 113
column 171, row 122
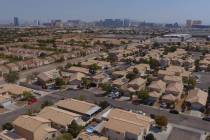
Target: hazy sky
column 148, row 10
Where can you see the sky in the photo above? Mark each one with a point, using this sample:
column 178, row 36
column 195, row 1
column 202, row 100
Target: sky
column 161, row 11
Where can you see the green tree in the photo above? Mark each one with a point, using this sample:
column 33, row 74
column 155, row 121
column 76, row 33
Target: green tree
column 156, row 45
column 86, row 82
column 74, row 129
column 65, row 136
column 208, row 137
column 7, row 126
column 197, row 64
column 27, row 96
column 154, row 64
column 143, row 94
column 103, row 104
column 150, row 136
column 106, row 87
column 135, row 70
column 112, row 57
column 46, row 103
column 161, row 121
column 11, row 77
column 131, row 76
column 93, row 68
column 59, row 82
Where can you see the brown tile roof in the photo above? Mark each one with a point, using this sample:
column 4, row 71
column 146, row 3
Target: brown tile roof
column 197, row 96
column 13, row 89
column 79, row 69
column 158, row 85
column 85, row 136
column 76, row 105
column 30, row 123
column 175, row 87
column 124, row 121
column 58, row 116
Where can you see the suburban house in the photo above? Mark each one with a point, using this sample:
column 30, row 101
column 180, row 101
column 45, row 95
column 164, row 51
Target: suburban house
column 120, row 81
column 100, row 78
column 197, row 99
column 47, row 79
column 163, row 73
column 13, row 91
column 142, row 68
column 122, row 125
column 173, row 89
column 59, row 118
column 74, row 69
column 13, row 67
column 176, row 69
column 154, row 95
column 172, row 79
column 119, row 74
column 158, row 86
column 101, row 64
column 86, row 136
column 34, row 128
column 85, row 109
column 75, row 80
column 137, row 84
column 3, row 70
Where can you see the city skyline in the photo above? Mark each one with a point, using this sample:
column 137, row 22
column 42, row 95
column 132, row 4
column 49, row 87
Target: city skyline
column 162, row 11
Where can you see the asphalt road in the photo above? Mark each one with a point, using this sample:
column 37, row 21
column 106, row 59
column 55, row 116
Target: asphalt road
column 183, row 120
column 9, row 117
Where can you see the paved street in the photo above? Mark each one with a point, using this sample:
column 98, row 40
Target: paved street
column 8, row 117
column 184, row 120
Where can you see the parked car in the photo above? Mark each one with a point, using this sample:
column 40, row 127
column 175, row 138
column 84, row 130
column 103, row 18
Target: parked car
column 32, row 101
column 174, row 111
column 206, row 118
column 163, row 105
column 152, row 116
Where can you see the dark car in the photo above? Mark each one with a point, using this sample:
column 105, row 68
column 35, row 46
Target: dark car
column 206, row 118
column 174, row 112
column 152, row 116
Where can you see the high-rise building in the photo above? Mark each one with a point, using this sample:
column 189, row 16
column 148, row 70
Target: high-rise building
column 126, row 23
column 16, row 21
column 189, row 23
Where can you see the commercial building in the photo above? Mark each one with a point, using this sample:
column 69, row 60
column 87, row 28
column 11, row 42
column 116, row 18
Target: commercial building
column 16, row 21
column 173, row 38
